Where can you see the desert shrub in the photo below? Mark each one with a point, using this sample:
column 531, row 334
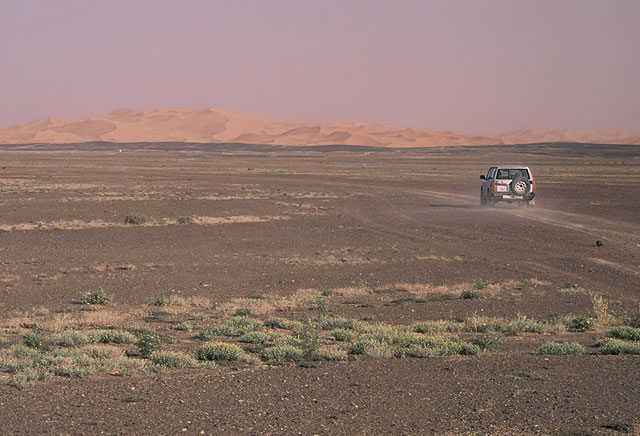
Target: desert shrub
column 342, row 335
column 467, row 349
column 184, row 326
column 633, row 319
column 480, row 284
column 221, row 352
column 282, row 323
column 207, row 334
column 243, row 312
column 185, row 220
column 40, row 311
column 4, row 341
column 486, row 340
column 282, row 353
column 330, row 353
column 560, row 348
column 322, row 306
column 34, row 339
column 581, row 323
column 624, row 332
column 173, row 359
column 285, row 339
column 70, row 338
column 168, row 300
column 370, row 347
column 618, row 346
column 129, row 366
column 28, row 377
column 111, row 336
column 483, row 324
column 622, row 427
column 469, row 294
column 522, row 324
column 237, row 326
column 435, row 327
column 99, row 352
column 135, row 218
column 96, row 297
column 331, row 323
column 253, row 338
column 309, row 337
column 147, row 342
column 380, row 332
column 245, row 323
column 600, row 308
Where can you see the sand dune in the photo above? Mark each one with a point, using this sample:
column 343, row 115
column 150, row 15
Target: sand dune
column 605, row 136
column 215, row 126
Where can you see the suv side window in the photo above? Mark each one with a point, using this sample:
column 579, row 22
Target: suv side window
column 490, row 172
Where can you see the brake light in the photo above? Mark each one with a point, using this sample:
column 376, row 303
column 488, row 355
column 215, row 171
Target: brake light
column 533, row 186
column 493, row 185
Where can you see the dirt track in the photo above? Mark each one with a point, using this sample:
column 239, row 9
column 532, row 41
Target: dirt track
column 277, row 220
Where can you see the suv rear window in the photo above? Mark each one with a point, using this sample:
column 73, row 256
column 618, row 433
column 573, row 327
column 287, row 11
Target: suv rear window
column 511, row 173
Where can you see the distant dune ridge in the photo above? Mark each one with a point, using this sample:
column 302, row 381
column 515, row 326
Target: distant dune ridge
column 215, row 126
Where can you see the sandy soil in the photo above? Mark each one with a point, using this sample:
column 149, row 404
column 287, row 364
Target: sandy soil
column 275, row 220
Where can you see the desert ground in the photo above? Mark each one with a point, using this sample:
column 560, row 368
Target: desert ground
column 364, row 291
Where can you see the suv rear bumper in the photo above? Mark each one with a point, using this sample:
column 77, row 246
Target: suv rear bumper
column 512, row 197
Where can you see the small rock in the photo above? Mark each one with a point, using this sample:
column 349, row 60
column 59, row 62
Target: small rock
column 599, row 243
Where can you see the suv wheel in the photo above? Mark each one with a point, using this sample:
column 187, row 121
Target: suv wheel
column 483, row 199
column 520, row 186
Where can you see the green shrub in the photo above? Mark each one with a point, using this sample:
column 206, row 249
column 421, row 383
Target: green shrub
column 633, row 319
column 253, row 338
column 282, row 353
column 435, row 327
column 111, row 336
column 622, row 427
column 184, row 326
column 284, row 339
column 96, row 297
column 309, row 337
column 618, row 346
column 560, row 348
column 624, row 332
column 147, row 342
column 486, row 340
column 581, row 323
column 28, row 377
column 331, row 323
column 220, row 352
column 243, row 312
column 467, row 349
column 207, row 334
column 522, row 324
column 185, row 220
column 480, row 284
column 168, row 300
column 322, row 306
column 173, row 359
column 330, row 353
column 282, row 323
column 469, row 294
column 34, row 339
column 244, row 324
column 342, row 335
column 135, row 218
column 70, row 338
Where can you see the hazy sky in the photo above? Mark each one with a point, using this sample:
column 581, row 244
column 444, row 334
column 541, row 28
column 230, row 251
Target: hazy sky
column 484, row 67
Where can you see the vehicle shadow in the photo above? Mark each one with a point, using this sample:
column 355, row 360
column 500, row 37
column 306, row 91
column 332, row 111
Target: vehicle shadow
column 456, row 206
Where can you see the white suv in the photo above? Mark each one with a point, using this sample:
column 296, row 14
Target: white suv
column 508, row 183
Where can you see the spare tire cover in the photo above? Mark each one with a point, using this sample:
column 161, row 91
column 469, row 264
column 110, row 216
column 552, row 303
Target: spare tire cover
column 520, row 185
